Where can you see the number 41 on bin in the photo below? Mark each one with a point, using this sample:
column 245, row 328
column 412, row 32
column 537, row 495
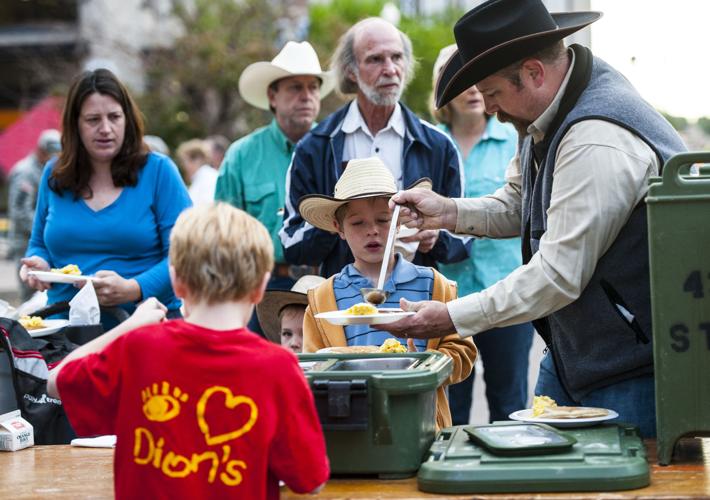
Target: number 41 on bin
column 680, row 332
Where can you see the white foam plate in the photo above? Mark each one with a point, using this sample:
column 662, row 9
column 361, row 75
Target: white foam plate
column 50, row 277
column 384, row 315
column 51, row 326
column 527, row 416
column 364, row 349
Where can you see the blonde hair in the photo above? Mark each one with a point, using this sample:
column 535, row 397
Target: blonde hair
column 194, row 149
column 220, row 253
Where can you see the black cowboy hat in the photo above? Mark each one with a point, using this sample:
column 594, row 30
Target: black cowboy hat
column 496, row 34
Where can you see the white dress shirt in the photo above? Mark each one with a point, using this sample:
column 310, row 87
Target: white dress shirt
column 387, row 144
column 203, row 185
column 601, row 174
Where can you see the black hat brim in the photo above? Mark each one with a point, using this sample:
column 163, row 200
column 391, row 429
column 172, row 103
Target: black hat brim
column 457, row 76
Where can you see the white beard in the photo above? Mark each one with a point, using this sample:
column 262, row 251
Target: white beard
column 380, row 98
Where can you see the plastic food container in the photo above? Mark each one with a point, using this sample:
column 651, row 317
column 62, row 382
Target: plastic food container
column 378, row 411
column 679, row 244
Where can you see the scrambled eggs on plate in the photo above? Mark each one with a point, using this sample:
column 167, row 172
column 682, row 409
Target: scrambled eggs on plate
column 31, row 322
column 361, row 309
column 68, row 269
column 542, row 403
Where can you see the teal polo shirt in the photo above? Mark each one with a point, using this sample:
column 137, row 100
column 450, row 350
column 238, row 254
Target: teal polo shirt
column 484, row 172
column 253, row 178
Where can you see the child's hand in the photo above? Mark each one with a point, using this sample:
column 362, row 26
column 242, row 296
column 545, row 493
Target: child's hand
column 149, row 312
column 410, row 345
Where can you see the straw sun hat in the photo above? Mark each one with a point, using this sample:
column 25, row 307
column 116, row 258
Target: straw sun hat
column 363, row 178
column 294, row 59
column 274, row 301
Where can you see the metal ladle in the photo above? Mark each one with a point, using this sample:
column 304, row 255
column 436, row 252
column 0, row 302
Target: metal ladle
column 377, row 296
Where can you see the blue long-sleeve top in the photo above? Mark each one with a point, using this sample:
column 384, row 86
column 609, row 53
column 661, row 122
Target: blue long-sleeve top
column 130, row 236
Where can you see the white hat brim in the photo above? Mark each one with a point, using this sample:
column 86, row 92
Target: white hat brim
column 256, row 78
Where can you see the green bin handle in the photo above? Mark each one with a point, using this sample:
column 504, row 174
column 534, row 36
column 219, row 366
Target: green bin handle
column 389, row 386
column 673, row 183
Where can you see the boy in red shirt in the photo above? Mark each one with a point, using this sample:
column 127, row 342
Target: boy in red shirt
column 201, row 407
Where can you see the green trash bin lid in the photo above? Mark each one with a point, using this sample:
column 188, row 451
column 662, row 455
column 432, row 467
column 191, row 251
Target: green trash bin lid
column 605, row 458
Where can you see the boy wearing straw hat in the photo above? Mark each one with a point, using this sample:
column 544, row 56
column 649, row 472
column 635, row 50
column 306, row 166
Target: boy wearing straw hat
column 281, row 312
column 199, row 405
column 253, row 174
column 358, row 212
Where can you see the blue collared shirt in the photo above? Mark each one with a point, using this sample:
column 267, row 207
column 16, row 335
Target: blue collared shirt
column 484, row 172
column 406, row 280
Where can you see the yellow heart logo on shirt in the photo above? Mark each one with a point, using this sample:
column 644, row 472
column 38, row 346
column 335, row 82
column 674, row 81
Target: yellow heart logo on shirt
column 231, row 402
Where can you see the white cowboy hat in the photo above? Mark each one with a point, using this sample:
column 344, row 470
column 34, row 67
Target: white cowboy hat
column 274, row 301
column 296, row 58
column 363, row 178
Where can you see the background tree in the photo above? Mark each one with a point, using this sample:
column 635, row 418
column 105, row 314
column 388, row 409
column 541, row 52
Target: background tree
column 428, row 34
column 704, row 124
column 192, row 88
column 679, row 123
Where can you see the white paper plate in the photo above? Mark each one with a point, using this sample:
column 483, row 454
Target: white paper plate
column 385, row 315
column 52, row 325
column 50, row 277
column 359, row 349
column 527, row 416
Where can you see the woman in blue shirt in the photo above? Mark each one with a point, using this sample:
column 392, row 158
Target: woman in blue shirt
column 486, row 147
column 106, row 203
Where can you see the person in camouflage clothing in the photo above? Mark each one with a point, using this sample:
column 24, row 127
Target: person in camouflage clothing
column 22, row 195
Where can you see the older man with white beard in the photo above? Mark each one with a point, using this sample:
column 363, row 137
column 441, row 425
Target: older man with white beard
column 374, row 62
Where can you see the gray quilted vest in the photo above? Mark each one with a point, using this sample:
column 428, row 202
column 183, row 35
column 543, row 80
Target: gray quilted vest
column 604, row 336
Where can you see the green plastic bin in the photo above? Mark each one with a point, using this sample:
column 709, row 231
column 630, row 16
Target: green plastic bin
column 378, row 411
column 605, row 458
column 679, row 246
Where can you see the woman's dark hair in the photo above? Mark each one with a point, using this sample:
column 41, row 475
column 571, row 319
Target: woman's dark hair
column 73, row 168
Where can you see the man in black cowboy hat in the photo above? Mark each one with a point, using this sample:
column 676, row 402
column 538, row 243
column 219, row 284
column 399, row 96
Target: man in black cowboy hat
column 589, row 143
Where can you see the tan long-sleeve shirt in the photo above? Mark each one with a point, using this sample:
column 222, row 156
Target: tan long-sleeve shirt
column 601, row 174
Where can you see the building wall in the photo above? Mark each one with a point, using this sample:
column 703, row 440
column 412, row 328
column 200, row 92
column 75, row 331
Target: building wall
column 117, row 32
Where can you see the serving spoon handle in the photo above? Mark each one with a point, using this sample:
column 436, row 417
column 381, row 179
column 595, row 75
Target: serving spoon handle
column 388, row 248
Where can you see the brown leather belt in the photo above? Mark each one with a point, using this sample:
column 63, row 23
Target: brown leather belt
column 283, row 270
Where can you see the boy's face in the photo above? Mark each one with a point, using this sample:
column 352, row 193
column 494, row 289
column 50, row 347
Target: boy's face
column 365, row 228
column 292, row 328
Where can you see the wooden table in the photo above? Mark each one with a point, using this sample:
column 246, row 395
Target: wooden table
column 69, row 472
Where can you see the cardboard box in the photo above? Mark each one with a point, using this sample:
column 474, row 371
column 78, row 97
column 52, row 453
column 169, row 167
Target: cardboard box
column 15, row 432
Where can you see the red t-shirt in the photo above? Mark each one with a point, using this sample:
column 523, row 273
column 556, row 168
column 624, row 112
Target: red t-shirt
column 198, row 413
